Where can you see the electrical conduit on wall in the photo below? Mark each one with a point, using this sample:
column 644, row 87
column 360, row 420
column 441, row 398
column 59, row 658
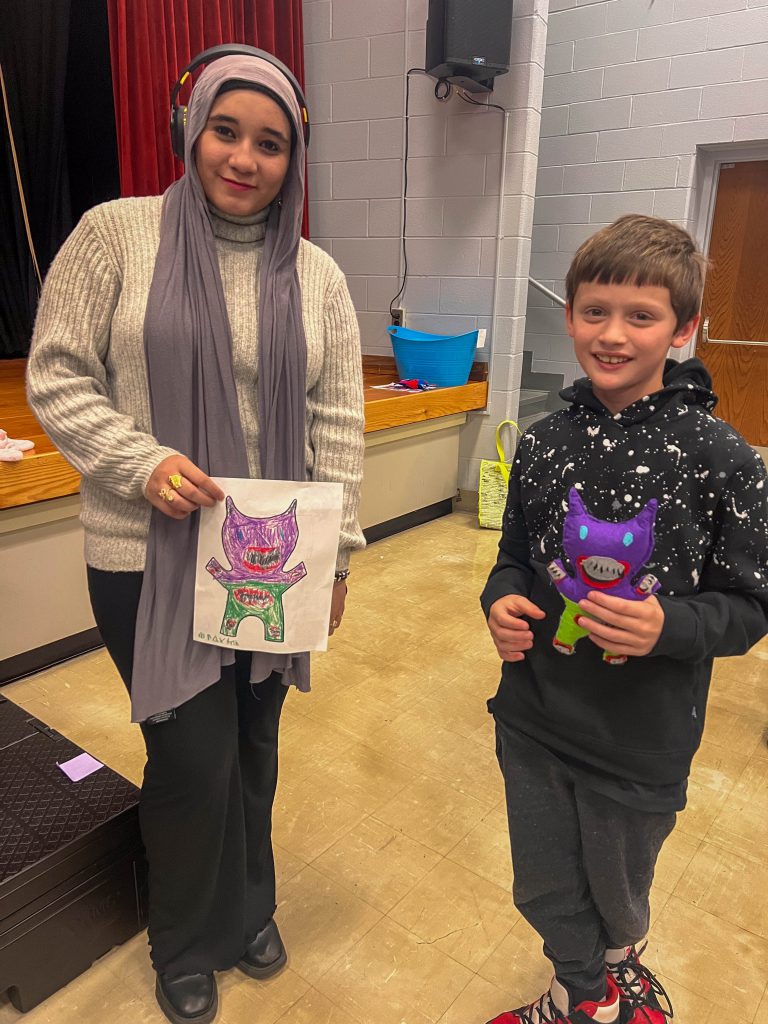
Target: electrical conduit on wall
column 499, row 237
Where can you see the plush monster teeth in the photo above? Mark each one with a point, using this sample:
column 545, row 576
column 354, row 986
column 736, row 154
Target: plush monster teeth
column 603, row 568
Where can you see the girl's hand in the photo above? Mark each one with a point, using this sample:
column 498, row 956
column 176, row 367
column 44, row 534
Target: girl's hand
column 338, row 599
column 177, row 487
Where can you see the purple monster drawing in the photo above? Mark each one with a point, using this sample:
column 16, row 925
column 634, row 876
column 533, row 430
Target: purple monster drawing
column 257, row 549
column 605, row 556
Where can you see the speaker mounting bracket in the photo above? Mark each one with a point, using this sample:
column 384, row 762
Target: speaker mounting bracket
column 472, row 84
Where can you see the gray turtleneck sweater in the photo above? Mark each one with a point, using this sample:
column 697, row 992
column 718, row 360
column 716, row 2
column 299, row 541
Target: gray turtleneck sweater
column 87, row 380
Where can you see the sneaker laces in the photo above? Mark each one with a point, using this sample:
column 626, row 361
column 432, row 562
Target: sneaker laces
column 635, row 980
column 542, row 1015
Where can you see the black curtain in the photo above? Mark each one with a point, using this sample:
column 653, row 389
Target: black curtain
column 17, row 288
column 55, row 59
column 89, row 110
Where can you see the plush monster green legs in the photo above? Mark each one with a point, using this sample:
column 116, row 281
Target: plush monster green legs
column 569, row 632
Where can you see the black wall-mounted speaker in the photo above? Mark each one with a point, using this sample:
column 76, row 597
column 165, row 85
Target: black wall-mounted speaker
column 468, row 41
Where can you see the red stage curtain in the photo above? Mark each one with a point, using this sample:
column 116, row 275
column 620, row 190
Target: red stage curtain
column 152, row 40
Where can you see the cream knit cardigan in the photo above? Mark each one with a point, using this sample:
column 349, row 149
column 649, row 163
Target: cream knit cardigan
column 87, row 380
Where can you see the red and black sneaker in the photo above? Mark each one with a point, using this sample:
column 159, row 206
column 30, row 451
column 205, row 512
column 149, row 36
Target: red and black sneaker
column 640, row 992
column 554, row 1007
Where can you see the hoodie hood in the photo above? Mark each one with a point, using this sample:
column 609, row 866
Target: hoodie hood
column 686, row 383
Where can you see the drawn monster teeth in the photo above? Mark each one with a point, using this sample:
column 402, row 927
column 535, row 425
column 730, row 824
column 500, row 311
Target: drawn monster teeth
column 254, row 597
column 262, row 559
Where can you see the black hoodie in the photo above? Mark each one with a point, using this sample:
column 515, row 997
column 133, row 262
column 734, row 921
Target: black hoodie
column 632, row 729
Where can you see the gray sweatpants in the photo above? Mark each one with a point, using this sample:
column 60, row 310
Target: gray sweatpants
column 583, row 863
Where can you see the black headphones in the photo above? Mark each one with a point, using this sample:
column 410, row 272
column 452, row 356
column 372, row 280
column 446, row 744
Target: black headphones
column 179, row 114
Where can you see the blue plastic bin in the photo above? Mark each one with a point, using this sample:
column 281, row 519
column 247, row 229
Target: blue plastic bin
column 441, row 359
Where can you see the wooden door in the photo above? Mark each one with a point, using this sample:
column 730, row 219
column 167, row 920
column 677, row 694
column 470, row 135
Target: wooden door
column 733, row 336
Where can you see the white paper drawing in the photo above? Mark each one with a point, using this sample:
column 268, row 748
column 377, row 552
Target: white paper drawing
column 265, row 562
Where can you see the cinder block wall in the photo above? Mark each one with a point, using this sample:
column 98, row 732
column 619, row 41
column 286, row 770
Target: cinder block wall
column 357, row 53
column 630, row 92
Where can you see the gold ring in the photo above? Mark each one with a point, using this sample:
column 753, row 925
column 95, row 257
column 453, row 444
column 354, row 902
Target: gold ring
column 176, row 480
column 167, row 495
column 335, row 624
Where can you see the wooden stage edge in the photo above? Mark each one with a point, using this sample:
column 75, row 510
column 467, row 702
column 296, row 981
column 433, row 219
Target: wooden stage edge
column 44, row 473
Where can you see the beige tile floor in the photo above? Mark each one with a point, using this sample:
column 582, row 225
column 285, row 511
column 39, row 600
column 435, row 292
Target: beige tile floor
column 392, row 851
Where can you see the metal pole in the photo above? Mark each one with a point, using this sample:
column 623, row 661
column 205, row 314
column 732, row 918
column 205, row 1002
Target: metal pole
column 546, row 291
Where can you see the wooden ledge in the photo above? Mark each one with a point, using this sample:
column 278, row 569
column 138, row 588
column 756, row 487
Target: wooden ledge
column 385, row 409
column 37, row 478
column 44, row 473
column 394, row 409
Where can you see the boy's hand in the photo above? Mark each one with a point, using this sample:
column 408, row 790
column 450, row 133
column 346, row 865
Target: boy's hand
column 511, row 634
column 625, row 627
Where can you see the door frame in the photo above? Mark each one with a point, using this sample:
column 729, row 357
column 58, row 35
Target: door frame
column 709, row 160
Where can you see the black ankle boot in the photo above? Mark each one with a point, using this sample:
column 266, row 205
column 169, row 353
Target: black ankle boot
column 265, row 955
column 188, row 999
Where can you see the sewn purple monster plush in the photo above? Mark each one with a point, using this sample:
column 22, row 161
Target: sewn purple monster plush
column 605, row 556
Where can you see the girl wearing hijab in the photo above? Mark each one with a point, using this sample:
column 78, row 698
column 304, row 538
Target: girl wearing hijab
column 180, row 337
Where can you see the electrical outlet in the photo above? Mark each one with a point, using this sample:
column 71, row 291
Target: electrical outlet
column 398, row 317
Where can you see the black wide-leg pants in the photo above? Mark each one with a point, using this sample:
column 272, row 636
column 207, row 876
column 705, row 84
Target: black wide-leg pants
column 206, row 801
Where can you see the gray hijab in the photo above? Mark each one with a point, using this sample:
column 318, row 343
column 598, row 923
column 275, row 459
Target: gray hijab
column 188, row 345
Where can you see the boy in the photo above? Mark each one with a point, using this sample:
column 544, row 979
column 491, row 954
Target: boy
column 635, row 488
